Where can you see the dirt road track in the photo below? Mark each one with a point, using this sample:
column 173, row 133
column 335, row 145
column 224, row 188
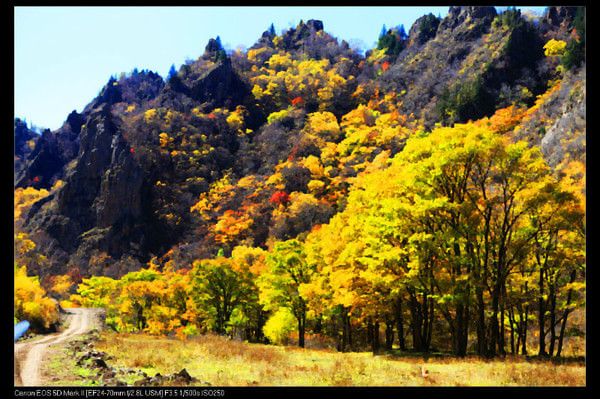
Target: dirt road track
column 30, row 355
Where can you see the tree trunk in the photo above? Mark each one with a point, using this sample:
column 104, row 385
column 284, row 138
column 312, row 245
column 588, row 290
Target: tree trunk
column 541, row 316
column 565, row 315
column 462, row 311
column 457, row 338
column 562, row 333
column 376, row 344
column 494, row 328
column 371, row 334
column 318, row 325
column 301, row 325
column 344, row 343
column 511, row 321
column 430, row 314
column 389, row 333
column 400, row 323
column 501, row 338
column 349, row 333
column 524, row 332
column 259, row 334
column 415, row 323
column 464, row 336
column 552, row 320
column 481, row 338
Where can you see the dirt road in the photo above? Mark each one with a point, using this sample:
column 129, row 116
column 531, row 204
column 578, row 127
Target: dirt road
column 29, row 355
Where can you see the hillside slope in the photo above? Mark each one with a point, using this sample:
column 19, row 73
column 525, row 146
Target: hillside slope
column 200, row 163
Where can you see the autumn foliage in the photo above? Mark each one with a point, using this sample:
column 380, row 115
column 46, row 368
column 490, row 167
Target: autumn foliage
column 280, row 198
column 31, row 301
column 319, row 208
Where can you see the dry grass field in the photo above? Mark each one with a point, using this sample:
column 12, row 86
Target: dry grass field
column 224, row 362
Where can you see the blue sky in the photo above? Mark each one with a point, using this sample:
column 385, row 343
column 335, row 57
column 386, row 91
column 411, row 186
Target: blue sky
column 64, row 55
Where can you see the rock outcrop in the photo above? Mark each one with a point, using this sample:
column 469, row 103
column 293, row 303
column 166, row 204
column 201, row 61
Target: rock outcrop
column 294, row 38
column 210, row 81
column 423, row 30
column 25, row 140
column 109, row 203
column 457, row 16
column 559, row 15
column 220, row 86
column 53, row 150
column 100, row 203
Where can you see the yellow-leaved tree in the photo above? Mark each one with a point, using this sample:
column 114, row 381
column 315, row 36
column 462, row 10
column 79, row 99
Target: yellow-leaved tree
column 31, row 301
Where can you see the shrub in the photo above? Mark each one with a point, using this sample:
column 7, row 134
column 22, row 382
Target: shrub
column 31, row 302
column 554, row 48
column 278, row 116
column 280, row 325
column 279, row 198
column 296, row 178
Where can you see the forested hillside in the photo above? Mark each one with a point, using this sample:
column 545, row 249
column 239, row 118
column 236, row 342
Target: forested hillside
column 432, row 189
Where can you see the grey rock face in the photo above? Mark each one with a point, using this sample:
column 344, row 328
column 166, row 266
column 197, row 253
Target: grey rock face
column 419, row 33
column 567, row 133
column 101, row 194
column 53, row 150
column 459, row 15
column 557, row 15
column 219, row 86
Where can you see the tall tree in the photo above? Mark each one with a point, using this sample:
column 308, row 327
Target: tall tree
column 287, row 270
column 219, row 288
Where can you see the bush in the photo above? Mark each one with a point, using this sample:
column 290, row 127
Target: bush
column 278, row 116
column 554, row 48
column 280, row 325
column 296, row 178
column 32, row 303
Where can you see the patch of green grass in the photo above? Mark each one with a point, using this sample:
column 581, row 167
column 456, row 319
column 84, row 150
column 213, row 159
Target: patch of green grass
column 59, row 369
column 150, row 370
column 129, row 379
column 84, row 372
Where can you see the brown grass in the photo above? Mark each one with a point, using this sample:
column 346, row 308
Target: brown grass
column 224, row 362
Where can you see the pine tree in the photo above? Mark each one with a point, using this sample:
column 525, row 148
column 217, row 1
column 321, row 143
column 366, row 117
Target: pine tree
column 172, row 72
column 383, row 31
column 402, row 32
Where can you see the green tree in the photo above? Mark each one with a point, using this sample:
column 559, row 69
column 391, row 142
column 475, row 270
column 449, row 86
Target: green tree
column 218, row 288
column 393, row 41
column 287, row 270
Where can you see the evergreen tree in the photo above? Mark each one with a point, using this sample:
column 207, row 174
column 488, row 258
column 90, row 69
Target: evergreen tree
column 402, row 33
column 392, row 41
column 172, row 72
column 383, row 31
